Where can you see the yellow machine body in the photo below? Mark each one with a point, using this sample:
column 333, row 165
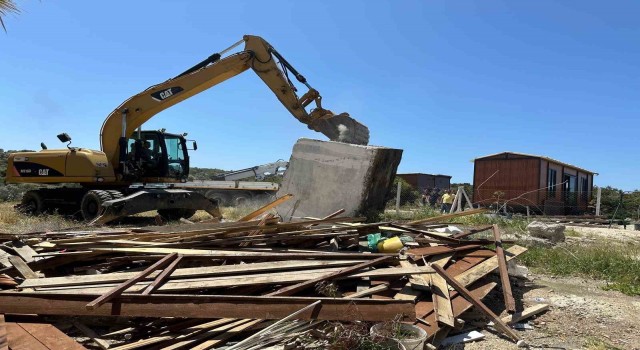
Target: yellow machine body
column 75, row 165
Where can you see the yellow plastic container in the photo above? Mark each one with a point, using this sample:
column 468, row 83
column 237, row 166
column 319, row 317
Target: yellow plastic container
column 391, row 245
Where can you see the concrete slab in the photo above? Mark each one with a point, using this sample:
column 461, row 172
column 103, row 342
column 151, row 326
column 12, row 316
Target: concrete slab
column 325, row 176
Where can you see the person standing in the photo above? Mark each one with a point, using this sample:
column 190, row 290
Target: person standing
column 433, row 197
column 447, row 201
column 425, row 197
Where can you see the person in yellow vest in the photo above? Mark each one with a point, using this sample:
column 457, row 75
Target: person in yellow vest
column 447, row 201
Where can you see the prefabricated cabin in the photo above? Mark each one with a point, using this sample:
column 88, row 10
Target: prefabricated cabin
column 421, row 181
column 543, row 184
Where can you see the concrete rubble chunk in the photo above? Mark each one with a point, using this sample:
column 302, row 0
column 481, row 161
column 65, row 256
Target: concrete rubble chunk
column 549, row 231
column 325, row 176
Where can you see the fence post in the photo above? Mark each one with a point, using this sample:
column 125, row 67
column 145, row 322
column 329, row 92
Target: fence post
column 398, row 198
column 599, row 194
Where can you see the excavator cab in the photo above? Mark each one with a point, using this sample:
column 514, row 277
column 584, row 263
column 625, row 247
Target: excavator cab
column 157, row 156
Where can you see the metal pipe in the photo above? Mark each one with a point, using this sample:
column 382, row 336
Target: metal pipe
column 124, row 122
column 231, row 47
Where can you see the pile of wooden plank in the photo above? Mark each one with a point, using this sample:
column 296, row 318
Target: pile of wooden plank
column 204, row 285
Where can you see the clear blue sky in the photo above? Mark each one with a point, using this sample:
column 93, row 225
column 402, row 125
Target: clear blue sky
column 446, row 81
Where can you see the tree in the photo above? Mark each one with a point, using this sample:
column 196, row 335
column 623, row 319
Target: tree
column 7, row 7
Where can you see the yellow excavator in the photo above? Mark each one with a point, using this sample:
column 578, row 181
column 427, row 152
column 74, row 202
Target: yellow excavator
column 135, row 168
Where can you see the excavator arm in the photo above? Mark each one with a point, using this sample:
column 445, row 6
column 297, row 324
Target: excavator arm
column 257, row 55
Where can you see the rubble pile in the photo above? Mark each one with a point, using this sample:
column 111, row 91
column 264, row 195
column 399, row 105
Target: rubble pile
column 251, row 284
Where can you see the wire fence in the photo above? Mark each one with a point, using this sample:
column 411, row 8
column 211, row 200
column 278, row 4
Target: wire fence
column 555, row 201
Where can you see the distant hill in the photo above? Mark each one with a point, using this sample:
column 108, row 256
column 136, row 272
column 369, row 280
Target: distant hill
column 10, row 192
column 204, row 173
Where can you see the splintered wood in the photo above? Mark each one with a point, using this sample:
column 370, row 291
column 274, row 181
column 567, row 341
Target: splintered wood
column 202, row 285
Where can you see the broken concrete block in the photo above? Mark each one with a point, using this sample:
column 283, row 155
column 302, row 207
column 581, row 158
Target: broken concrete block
column 325, row 176
column 516, row 270
column 549, row 231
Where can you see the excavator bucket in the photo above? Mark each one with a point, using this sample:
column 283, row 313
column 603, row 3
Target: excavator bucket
column 155, row 199
column 341, row 128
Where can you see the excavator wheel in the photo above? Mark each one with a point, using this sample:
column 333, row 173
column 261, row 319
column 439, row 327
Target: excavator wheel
column 33, row 203
column 222, row 199
column 242, row 198
column 115, row 194
column 91, row 204
column 176, row 214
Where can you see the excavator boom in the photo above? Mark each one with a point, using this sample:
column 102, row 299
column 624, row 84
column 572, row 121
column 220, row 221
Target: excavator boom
column 257, row 55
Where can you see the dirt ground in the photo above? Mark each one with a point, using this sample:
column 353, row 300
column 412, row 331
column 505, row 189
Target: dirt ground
column 582, row 315
column 616, row 233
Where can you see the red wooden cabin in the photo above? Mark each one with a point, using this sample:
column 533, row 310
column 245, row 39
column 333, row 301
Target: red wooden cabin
column 543, row 184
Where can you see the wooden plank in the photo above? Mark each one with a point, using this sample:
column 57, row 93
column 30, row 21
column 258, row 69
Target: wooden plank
column 332, row 215
column 4, row 343
column 369, row 291
column 441, row 259
column 191, row 272
column 441, row 299
column 23, row 269
column 464, row 263
column 243, row 326
column 218, row 254
column 484, row 268
column 255, row 336
column 206, row 306
column 36, row 336
column 509, row 302
column 460, row 288
column 20, row 339
column 290, row 290
column 172, row 337
column 459, row 306
column 262, row 223
column 407, row 293
column 448, row 216
column 436, row 250
column 246, row 280
column 115, row 292
column 526, row 313
column 162, row 277
column 25, row 252
column 416, row 281
column 4, row 259
column 266, row 208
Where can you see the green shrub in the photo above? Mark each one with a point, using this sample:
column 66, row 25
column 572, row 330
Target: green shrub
column 618, row 265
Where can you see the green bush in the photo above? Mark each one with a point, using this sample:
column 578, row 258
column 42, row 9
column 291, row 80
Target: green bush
column 618, row 265
column 408, row 194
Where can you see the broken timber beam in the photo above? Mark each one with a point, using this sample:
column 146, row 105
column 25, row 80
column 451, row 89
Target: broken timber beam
column 206, row 306
column 475, row 273
column 509, row 302
column 526, row 313
column 4, row 340
column 266, row 208
column 116, row 291
column 437, row 250
column 163, row 276
column 290, row 290
column 22, row 267
column 476, row 302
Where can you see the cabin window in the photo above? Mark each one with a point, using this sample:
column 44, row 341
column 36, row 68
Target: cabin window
column 551, row 183
column 584, row 185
